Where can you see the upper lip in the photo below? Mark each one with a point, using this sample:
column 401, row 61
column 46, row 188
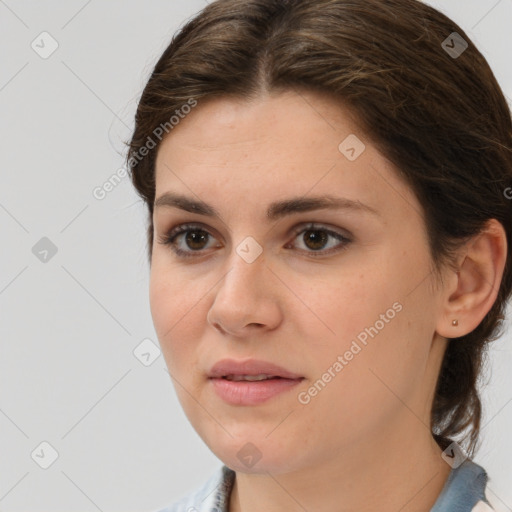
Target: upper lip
column 226, row 367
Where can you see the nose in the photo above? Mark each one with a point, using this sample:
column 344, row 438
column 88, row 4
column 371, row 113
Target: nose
column 246, row 300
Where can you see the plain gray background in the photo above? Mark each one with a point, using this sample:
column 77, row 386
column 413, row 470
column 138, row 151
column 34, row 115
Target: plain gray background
column 71, row 322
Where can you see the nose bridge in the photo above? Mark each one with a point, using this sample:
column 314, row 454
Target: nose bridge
column 243, row 297
column 246, row 266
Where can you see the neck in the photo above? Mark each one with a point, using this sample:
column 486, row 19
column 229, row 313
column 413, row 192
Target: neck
column 396, row 471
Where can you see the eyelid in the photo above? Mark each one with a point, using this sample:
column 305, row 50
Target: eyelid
column 321, row 226
column 344, row 239
column 188, row 226
column 180, row 228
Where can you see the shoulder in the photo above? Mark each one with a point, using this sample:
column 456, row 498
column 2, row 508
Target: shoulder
column 465, row 490
column 212, row 496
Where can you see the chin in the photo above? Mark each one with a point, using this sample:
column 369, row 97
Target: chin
column 256, row 453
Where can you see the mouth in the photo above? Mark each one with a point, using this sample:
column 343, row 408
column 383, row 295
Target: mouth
column 251, row 378
column 250, row 370
column 251, row 382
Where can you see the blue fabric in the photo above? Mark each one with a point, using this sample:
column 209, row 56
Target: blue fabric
column 464, row 489
column 465, row 486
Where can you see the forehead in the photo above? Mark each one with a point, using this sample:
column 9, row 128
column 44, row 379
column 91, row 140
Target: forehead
column 277, row 146
column 280, row 120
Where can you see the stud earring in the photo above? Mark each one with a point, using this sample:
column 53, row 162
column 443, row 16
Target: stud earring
column 455, row 322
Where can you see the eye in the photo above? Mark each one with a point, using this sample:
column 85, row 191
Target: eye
column 317, row 237
column 196, row 238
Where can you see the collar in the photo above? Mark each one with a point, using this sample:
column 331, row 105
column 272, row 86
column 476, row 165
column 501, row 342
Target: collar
column 464, row 491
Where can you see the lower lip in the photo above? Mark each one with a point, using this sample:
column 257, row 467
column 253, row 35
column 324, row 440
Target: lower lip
column 251, row 392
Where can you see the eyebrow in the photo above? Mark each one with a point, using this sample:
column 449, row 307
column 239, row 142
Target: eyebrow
column 275, row 210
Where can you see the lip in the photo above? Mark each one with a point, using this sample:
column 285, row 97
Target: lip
column 226, row 367
column 250, row 392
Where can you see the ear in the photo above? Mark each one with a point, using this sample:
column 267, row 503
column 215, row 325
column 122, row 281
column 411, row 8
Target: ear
column 472, row 290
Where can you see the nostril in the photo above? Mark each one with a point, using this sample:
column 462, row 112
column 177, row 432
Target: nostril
column 217, row 326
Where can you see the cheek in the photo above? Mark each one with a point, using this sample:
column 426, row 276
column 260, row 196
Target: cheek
column 365, row 315
column 175, row 305
column 341, row 307
column 174, row 293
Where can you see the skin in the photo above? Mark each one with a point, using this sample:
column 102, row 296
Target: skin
column 362, row 443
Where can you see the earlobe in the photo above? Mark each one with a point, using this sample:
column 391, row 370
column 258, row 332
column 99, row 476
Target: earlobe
column 477, row 282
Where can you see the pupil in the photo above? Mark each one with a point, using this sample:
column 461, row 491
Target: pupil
column 315, row 239
column 193, row 238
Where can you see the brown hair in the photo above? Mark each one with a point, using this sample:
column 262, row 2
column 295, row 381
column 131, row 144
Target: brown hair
column 440, row 118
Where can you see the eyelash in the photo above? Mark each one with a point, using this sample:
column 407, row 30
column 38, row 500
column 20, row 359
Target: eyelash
column 170, row 238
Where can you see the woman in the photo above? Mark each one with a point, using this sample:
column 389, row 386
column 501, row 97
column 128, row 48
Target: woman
column 327, row 185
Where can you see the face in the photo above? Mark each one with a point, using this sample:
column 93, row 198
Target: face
column 347, row 305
